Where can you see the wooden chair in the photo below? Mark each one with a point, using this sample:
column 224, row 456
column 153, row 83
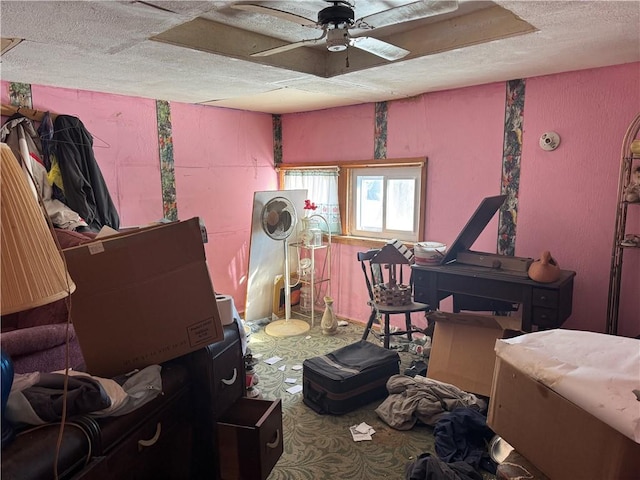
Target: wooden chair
column 381, row 266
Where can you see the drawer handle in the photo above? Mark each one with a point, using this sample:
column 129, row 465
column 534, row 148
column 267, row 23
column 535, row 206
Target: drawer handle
column 232, row 380
column 151, row 441
column 543, row 298
column 276, row 442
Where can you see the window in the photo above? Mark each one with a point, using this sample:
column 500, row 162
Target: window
column 377, row 200
column 322, row 189
column 385, row 202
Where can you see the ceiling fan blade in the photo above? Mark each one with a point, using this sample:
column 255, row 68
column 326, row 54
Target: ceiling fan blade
column 379, row 48
column 291, row 17
column 406, row 13
column 290, row 46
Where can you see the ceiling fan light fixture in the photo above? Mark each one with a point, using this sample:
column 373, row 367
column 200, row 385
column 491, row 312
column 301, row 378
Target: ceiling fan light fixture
column 337, row 40
column 337, row 19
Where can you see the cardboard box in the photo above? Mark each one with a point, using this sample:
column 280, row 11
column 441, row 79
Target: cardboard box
column 555, row 435
column 279, row 302
column 462, row 352
column 142, row 298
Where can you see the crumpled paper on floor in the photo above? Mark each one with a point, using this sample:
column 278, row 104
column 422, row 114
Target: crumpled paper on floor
column 361, row 432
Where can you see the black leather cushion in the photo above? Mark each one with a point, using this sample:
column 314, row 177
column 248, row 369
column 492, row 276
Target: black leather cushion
column 31, row 454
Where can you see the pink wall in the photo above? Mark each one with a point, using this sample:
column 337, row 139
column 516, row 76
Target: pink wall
column 221, row 157
column 567, row 197
column 455, row 130
column 328, row 136
column 459, row 133
column 125, row 145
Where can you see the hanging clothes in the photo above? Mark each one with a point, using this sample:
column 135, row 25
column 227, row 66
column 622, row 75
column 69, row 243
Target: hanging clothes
column 85, row 190
column 45, row 134
column 18, row 132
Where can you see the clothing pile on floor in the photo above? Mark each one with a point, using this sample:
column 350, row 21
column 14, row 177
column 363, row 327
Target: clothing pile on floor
column 459, row 427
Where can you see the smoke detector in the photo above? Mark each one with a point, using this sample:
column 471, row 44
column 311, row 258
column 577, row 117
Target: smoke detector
column 549, row 141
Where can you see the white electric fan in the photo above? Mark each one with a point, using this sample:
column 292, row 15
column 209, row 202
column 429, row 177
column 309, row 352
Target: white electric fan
column 278, row 222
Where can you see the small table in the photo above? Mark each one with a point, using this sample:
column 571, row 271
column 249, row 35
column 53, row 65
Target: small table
column 544, row 305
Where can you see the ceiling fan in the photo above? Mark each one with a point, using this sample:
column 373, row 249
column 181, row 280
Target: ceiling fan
column 339, row 18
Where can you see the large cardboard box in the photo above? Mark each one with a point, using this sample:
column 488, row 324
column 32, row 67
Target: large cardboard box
column 142, row 298
column 462, row 352
column 558, row 437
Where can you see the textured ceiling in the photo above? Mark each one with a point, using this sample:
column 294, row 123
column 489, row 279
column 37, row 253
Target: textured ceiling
column 138, row 48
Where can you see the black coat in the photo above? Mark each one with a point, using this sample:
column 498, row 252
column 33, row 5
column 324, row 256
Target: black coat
column 85, row 190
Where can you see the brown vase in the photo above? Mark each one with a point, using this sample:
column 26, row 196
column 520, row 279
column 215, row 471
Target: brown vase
column 545, row 269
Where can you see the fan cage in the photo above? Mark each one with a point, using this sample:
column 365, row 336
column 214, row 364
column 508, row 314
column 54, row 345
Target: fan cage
column 280, row 231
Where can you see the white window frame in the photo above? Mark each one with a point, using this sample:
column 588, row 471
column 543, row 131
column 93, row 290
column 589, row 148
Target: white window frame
column 411, row 172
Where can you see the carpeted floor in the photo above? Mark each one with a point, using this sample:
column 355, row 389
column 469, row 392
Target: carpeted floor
column 319, row 447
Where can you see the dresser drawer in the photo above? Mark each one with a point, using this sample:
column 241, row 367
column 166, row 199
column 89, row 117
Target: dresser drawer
column 250, row 439
column 545, row 317
column 160, row 448
column 218, row 373
column 420, row 286
column 227, row 380
column 542, row 297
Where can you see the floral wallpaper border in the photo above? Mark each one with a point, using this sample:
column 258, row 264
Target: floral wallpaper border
column 512, row 152
column 167, row 166
column 20, row 94
column 277, row 139
column 380, row 132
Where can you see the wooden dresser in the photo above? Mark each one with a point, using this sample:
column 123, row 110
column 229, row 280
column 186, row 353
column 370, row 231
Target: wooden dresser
column 178, row 435
column 235, row 438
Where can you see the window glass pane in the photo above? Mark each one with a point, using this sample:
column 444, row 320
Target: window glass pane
column 400, row 204
column 369, row 203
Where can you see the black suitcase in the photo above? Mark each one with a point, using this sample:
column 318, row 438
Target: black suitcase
column 348, row 378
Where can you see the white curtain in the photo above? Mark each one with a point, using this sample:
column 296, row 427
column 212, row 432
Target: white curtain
column 322, row 188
